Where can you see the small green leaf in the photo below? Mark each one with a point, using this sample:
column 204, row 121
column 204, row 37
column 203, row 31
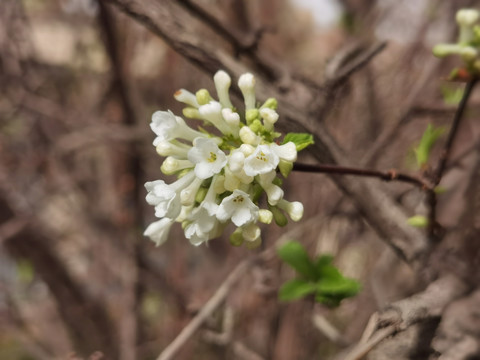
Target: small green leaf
column 296, row 289
column 451, row 94
column 295, row 255
column 301, row 140
column 429, row 138
column 344, row 287
column 418, row 221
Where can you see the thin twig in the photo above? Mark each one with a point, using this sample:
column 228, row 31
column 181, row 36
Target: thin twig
column 358, row 63
column 453, row 131
column 444, row 157
column 391, row 175
column 172, row 349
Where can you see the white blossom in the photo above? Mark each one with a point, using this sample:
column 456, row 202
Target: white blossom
column 207, row 157
column 239, row 208
column 158, row 231
column 167, row 126
column 263, row 160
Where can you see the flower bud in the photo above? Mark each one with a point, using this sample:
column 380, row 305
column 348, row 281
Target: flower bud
column 265, row 216
column 269, row 117
column 165, row 148
column 236, row 239
column 246, row 83
column 203, row 96
column 256, row 126
column 187, row 195
column 271, row 103
column 222, row 83
column 191, row 113
column 231, row 118
column 248, row 136
column 171, row 165
column 251, row 115
column 251, row 232
column 186, row 97
column 294, row 209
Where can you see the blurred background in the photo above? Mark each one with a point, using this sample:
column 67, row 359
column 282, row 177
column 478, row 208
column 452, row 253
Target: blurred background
column 79, row 81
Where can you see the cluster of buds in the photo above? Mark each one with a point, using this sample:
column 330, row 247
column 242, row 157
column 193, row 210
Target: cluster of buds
column 468, row 44
column 222, row 168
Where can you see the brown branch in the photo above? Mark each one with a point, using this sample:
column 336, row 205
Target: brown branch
column 215, row 301
column 402, row 314
column 391, row 175
column 445, row 155
column 433, row 227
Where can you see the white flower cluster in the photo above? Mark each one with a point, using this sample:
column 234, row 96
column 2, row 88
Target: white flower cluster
column 221, row 176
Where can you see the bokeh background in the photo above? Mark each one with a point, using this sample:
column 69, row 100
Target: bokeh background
column 79, row 81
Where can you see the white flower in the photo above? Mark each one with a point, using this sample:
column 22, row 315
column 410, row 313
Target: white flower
column 207, row 157
column 167, row 126
column 165, row 197
column 158, row 231
column 246, row 83
column 263, row 160
column 222, row 83
column 239, row 208
column 202, row 223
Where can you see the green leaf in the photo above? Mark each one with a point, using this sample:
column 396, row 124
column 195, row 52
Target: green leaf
column 344, row 287
column 301, row 140
column 333, row 287
column 418, row 221
column 295, row 255
column 429, row 138
column 451, row 94
column 296, row 289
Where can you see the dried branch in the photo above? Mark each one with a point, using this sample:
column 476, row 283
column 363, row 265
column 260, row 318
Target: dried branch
column 402, row 314
column 235, row 275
